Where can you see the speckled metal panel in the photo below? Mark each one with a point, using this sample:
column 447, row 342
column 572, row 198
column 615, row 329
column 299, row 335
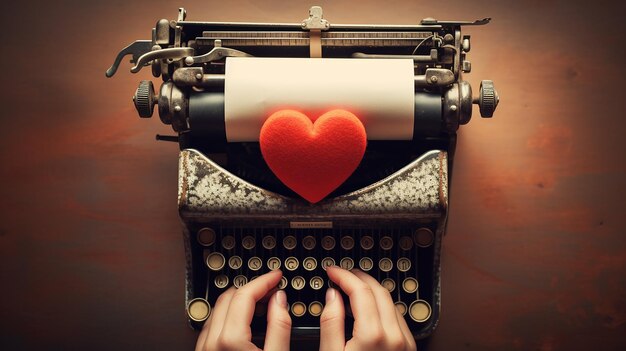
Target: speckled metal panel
column 419, row 190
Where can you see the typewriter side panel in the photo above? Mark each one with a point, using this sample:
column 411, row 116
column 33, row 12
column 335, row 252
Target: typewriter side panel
column 235, row 231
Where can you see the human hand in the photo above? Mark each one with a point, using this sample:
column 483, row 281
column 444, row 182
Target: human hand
column 377, row 323
column 228, row 327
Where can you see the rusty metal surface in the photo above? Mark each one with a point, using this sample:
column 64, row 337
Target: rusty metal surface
column 535, row 253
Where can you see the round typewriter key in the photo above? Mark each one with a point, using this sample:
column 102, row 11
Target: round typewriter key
column 406, row 243
column 404, row 264
column 228, row 242
column 385, row 264
column 282, row 283
column 298, row 309
column 419, row 311
column 308, row 242
column 255, row 263
column 316, row 308
column 424, row 237
column 346, row 263
column 328, row 242
column 290, row 242
column 298, row 282
column 366, row 264
column 248, row 242
column 367, row 243
column 347, row 242
column 316, row 283
column 268, row 242
column 410, row 285
column 240, row 281
column 206, row 236
column 309, row 263
column 389, row 284
column 235, row 262
column 401, row 307
column 291, row 263
column 198, row 310
column 273, row 263
column 215, row 261
column 386, row 243
column 327, row 261
column 221, row 281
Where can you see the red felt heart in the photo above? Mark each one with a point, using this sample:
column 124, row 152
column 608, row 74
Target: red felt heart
column 313, row 159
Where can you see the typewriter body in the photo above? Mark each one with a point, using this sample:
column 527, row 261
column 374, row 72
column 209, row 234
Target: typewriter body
column 240, row 221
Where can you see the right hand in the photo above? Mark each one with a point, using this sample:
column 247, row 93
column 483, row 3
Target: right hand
column 377, row 323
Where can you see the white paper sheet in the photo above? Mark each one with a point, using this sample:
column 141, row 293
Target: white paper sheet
column 378, row 91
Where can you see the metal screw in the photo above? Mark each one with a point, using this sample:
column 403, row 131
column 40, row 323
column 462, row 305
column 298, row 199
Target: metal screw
column 453, row 108
column 434, row 79
column 177, row 108
column 199, row 76
column 189, row 60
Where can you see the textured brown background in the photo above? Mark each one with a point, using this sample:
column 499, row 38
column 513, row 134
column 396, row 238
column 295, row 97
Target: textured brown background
column 91, row 254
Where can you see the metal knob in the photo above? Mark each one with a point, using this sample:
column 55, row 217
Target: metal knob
column 488, row 99
column 145, row 99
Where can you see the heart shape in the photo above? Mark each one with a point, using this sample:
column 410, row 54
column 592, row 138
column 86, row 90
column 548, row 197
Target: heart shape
column 313, row 159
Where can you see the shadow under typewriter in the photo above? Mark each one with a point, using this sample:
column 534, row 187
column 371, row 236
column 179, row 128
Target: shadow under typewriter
column 392, row 229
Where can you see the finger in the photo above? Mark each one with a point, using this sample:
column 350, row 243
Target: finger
column 278, row 323
column 384, row 304
column 362, row 302
column 332, row 334
column 241, row 309
column 214, row 327
column 408, row 336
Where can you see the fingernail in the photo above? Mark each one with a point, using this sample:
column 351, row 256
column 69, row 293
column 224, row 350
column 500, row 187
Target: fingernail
column 281, row 298
column 330, row 295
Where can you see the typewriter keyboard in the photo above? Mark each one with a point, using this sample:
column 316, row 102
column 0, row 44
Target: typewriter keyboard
column 401, row 259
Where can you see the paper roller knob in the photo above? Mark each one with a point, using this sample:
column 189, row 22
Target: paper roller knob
column 145, row 99
column 488, row 98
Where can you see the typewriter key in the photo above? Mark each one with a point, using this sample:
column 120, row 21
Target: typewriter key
column 406, row 243
column 309, row 263
column 228, row 242
column 298, row 309
column 206, row 236
column 291, row 263
column 347, row 242
column 316, row 308
column 404, row 264
column 410, row 285
column 273, row 263
column 298, row 282
column 328, row 242
column 308, row 242
column 385, row 264
column 248, row 242
column 346, row 263
column 424, row 237
column 419, row 311
column 290, row 242
column 221, row 281
column 386, row 243
column 389, row 284
column 255, row 263
column 327, row 261
column 198, row 310
column 366, row 264
column 268, row 242
column 215, row 261
column 282, row 283
column 401, row 307
column 316, row 283
column 240, row 281
column 367, row 243
column 235, row 262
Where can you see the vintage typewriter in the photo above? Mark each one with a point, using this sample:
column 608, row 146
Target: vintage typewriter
column 240, row 221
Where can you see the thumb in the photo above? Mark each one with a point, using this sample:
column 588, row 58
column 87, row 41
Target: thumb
column 332, row 334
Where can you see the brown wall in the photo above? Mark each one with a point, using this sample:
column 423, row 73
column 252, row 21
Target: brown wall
column 90, row 247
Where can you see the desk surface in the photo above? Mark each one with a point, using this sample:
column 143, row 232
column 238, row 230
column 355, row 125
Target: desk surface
column 91, row 253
